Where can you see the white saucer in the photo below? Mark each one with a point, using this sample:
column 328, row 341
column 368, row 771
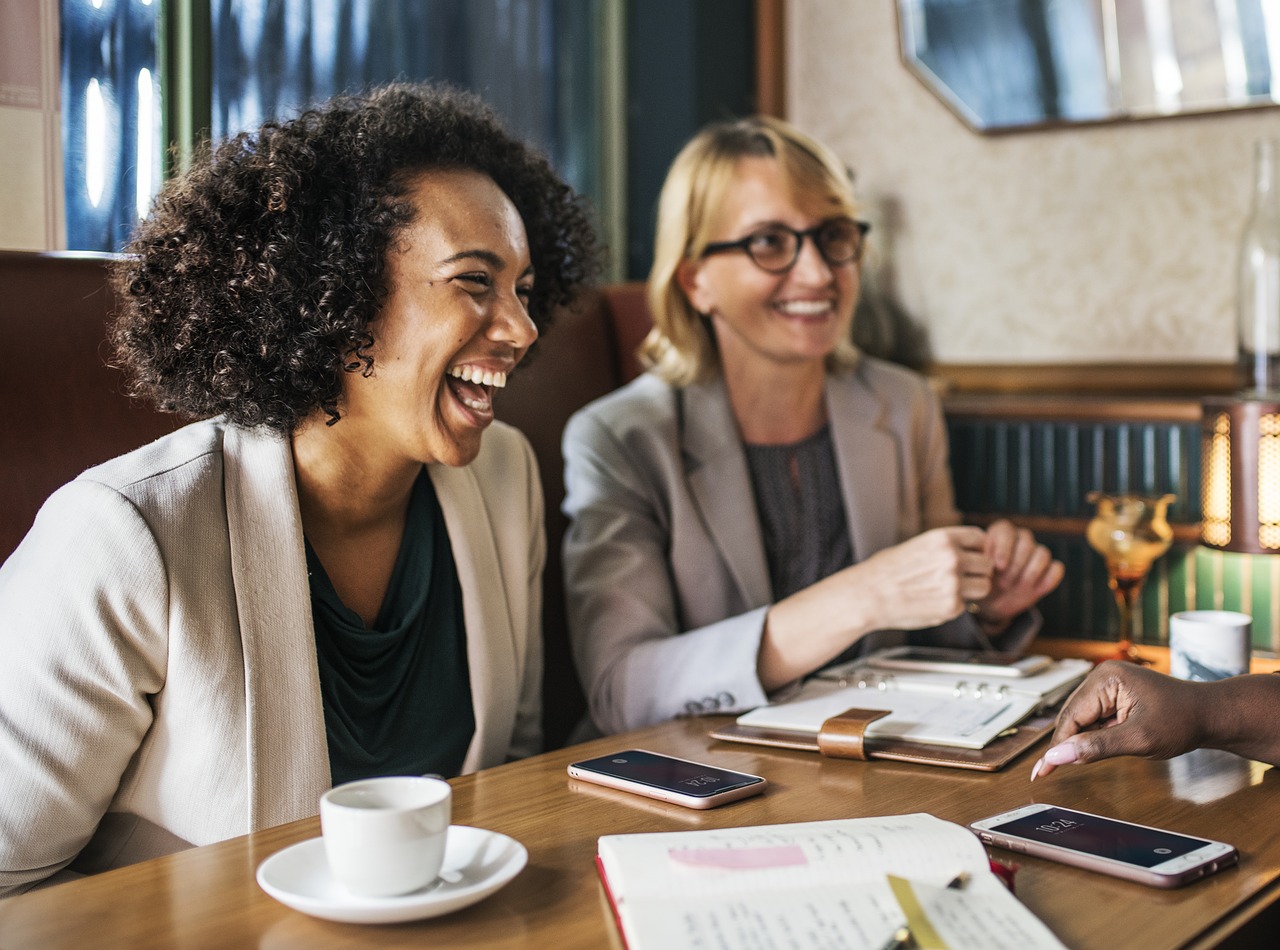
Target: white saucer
column 476, row 863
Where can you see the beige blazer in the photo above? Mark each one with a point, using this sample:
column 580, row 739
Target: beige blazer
column 666, row 576
column 159, row 685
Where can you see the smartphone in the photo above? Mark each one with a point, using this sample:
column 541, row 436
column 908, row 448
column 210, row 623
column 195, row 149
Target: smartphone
column 964, row 662
column 668, row 779
column 1134, row 852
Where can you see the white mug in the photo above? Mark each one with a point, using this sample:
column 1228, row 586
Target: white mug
column 386, row 836
column 1207, row 645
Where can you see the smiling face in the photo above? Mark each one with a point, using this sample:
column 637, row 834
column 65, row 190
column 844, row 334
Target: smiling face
column 455, row 322
column 761, row 319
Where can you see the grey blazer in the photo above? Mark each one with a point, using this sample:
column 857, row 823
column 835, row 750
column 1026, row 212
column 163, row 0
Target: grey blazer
column 665, row 570
column 159, row 686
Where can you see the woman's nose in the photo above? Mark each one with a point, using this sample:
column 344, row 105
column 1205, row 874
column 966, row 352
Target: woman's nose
column 512, row 323
column 810, row 265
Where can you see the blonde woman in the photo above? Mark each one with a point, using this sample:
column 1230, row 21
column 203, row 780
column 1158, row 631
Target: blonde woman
column 765, row 499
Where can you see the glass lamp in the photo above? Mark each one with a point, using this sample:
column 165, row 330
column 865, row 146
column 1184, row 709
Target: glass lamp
column 1241, row 475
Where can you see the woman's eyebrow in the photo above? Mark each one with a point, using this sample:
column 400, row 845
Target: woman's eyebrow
column 489, row 257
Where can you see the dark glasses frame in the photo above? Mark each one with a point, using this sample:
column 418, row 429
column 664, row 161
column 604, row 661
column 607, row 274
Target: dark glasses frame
column 813, row 234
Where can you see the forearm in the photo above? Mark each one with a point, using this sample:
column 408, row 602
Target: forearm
column 1242, row 715
column 809, row 628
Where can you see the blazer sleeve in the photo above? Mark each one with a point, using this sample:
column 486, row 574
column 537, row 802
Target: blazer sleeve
column 84, row 603
column 637, row 664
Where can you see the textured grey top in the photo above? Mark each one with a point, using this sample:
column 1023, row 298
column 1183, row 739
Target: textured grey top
column 798, row 498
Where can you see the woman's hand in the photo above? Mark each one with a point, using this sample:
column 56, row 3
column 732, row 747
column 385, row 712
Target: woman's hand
column 921, row 582
column 1125, row 709
column 1023, row 571
column 928, row 579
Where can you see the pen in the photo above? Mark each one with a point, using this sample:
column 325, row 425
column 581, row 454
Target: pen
column 901, row 939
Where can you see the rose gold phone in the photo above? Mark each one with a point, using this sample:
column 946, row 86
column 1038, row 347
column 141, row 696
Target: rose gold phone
column 668, row 779
column 1134, row 852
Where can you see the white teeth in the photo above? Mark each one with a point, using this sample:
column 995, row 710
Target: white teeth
column 480, row 405
column 473, row 374
column 805, row 307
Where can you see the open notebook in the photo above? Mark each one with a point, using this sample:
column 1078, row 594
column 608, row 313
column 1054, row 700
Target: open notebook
column 932, row 708
column 931, row 717
column 847, row 883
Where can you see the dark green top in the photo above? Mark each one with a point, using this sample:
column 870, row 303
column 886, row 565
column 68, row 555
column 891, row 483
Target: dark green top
column 397, row 697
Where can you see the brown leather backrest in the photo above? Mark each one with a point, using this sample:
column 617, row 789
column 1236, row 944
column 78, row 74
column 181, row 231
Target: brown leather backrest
column 62, row 408
column 586, row 353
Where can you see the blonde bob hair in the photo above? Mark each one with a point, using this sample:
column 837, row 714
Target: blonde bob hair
column 681, row 346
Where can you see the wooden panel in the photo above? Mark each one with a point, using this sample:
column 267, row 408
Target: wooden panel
column 771, row 65
column 1079, row 407
column 1142, row 379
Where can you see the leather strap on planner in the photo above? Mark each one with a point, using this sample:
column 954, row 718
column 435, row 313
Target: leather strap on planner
column 842, row 736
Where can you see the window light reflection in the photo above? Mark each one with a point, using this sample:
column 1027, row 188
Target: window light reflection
column 95, row 144
column 146, row 136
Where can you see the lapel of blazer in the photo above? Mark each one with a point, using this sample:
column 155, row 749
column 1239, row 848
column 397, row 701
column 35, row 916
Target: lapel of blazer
column 716, row 468
column 491, row 650
column 867, row 459
column 286, row 744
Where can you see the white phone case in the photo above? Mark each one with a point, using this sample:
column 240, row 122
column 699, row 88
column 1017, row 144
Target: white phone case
column 1210, row 856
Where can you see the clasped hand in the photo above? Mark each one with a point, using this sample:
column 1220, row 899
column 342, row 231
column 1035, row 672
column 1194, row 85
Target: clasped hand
column 932, row 577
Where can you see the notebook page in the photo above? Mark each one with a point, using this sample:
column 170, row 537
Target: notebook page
column 828, row 916
column 812, row 884
column 801, row 855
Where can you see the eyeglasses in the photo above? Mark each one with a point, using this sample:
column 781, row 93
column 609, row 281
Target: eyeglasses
column 776, row 248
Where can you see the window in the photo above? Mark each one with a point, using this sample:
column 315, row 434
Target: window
column 532, row 60
column 610, row 90
column 112, row 136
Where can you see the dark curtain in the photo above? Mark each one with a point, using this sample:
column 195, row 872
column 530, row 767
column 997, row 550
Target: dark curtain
column 532, row 60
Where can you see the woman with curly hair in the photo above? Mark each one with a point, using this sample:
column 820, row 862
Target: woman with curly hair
column 336, row 572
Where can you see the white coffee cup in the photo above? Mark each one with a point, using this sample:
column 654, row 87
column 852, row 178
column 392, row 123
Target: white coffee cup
column 1209, row 645
column 386, row 836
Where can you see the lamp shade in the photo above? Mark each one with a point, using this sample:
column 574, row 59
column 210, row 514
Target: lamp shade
column 1240, row 452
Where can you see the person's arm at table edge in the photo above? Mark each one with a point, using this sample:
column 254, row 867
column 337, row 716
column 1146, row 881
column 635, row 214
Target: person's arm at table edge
column 1122, row 709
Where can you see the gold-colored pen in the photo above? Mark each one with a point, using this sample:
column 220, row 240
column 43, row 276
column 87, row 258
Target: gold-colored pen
column 900, row 940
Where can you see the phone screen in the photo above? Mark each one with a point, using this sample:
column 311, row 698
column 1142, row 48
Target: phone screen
column 1103, row 837
column 659, row 771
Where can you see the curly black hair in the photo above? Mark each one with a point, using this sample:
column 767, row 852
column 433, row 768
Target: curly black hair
column 252, row 285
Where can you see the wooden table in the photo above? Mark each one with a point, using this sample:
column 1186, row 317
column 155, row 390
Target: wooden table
column 207, row 897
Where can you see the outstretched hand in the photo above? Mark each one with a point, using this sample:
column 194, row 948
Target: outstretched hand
column 1124, row 709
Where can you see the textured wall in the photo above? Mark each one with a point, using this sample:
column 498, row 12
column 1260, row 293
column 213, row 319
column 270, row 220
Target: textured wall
column 1106, row 244
column 30, row 133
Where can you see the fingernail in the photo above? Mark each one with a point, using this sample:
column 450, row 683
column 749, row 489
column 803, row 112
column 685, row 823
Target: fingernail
column 1035, row 769
column 1062, row 754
